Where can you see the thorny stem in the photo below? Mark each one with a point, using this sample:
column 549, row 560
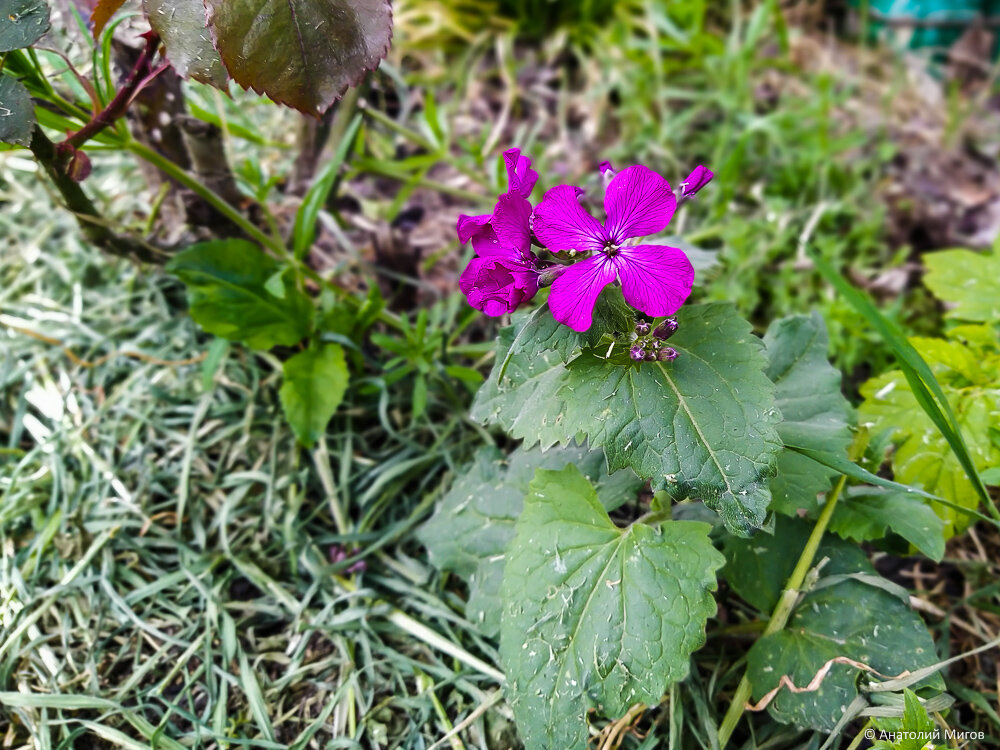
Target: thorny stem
column 783, row 610
column 137, row 78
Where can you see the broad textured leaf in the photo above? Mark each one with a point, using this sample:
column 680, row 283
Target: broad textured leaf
column 22, row 23
column 17, row 114
column 968, row 280
column 850, row 619
column 303, row 53
column 183, row 26
column 814, row 410
column 474, row 522
column 102, row 13
column 225, row 281
column 596, row 616
column 867, row 515
column 758, row 568
column 313, row 387
column 700, row 426
column 538, row 331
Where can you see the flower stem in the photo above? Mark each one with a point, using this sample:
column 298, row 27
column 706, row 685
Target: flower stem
column 783, row 610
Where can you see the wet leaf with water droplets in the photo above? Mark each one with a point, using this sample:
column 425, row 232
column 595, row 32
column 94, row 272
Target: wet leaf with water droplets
column 17, row 115
column 474, row 521
column 701, row 426
column 596, row 616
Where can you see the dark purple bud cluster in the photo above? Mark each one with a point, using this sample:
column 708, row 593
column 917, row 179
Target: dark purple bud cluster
column 648, row 344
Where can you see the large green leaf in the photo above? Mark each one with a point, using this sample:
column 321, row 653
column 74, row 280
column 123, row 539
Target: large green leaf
column 758, row 568
column 315, row 381
column 22, row 23
column 700, row 426
column 227, row 289
column 17, row 114
column 970, row 281
column 814, row 410
column 596, row 616
column 869, row 514
column 184, row 29
column 474, row 522
column 850, row 619
column 302, row 53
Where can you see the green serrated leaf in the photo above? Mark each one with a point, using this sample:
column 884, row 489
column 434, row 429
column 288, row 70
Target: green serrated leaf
column 968, row 280
column 184, row 29
column 303, row 53
column 474, row 522
column 815, row 412
column 314, row 385
column 869, row 514
column 596, row 616
column 17, row 114
column 539, row 331
column 758, row 568
column 700, row 426
column 226, row 281
column 850, row 619
column 22, row 23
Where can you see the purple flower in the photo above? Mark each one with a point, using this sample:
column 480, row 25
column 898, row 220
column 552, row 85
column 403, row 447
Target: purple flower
column 505, row 272
column 655, row 279
column 521, row 179
column 695, row 181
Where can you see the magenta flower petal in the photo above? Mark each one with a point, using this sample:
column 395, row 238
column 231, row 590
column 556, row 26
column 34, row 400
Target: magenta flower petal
column 575, row 292
column 512, row 222
column 638, row 202
column 521, row 178
column 469, row 226
column 656, row 279
column 699, row 177
column 560, row 223
column 497, row 285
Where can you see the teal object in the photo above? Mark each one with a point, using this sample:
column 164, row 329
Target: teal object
column 934, row 25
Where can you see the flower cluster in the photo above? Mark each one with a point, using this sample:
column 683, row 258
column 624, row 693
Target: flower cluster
column 586, row 254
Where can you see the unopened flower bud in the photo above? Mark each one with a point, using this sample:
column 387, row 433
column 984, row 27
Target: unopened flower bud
column 666, row 329
column 550, row 274
column 667, row 354
column 695, row 181
column 637, row 353
column 641, row 327
column 650, row 356
column 607, row 173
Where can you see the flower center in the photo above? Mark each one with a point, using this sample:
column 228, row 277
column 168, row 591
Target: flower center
column 611, row 249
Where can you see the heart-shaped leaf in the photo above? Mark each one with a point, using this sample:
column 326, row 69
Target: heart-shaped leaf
column 303, row 53
column 315, row 381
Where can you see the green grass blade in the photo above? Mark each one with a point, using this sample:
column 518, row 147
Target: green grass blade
column 922, row 381
column 308, row 213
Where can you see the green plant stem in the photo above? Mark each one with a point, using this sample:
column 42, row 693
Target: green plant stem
column 783, row 610
column 94, row 226
column 210, row 196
